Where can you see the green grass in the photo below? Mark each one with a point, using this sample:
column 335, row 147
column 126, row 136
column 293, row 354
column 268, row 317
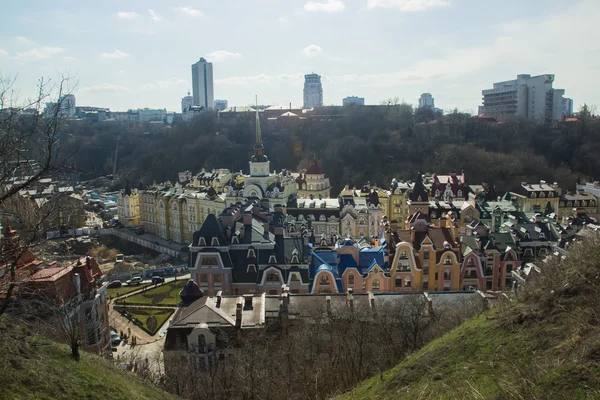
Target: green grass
column 164, row 295
column 160, row 314
column 113, row 292
column 483, row 360
column 34, row 367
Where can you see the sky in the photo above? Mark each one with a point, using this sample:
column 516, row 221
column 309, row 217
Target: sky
column 138, row 53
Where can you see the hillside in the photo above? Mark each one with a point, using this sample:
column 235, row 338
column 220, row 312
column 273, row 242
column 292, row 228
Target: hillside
column 543, row 345
column 33, row 367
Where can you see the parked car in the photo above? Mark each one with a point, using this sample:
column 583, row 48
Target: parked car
column 136, row 280
column 115, row 338
column 120, row 258
column 157, row 279
column 115, row 284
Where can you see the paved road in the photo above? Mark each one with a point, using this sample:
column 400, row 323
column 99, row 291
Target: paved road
column 149, row 282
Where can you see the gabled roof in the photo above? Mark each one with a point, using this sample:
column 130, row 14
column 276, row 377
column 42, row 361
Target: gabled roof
column 210, row 228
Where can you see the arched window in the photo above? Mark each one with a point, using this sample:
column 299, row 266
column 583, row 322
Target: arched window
column 403, row 255
column 437, row 193
column 375, row 286
column 542, row 194
column 351, row 279
column 201, row 341
column 533, row 194
column 407, row 282
column 448, row 260
column 273, row 277
column 459, row 193
column 324, row 280
column 471, row 263
column 174, row 207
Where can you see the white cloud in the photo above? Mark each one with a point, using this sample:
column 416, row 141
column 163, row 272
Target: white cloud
column 3, row 53
column 154, row 16
column 127, row 15
column 293, row 78
column 38, row 53
column 408, row 5
column 312, row 51
column 166, row 84
column 115, row 54
column 70, row 59
column 106, row 88
column 222, row 55
column 325, row 6
column 190, row 12
column 23, row 40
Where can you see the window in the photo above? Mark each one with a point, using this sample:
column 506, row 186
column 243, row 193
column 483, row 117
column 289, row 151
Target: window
column 273, row 277
column 251, row 253
column 407, row 282
column 202, row 242
column 217, row 278
column 214, row 242
column 533, row 194
column 209, row 261
column 399, row 282
column 272, row 259
column 425, row 285
column 201, row 342
column 426, row 255
column 324, row 280
column 459, row 193
column 448, row 261
column 542, row 194
column 375, row 285
column 351, row 279
column 404, row 255
column 437, row 193
column 251, row 268
column 447, row 275
column 295, row 277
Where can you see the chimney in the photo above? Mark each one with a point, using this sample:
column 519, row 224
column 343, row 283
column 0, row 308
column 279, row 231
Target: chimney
column 328, row 300
column 219, row 298
column 238, row 311
column 372, row 303
column 248, row 301
column 247, row 218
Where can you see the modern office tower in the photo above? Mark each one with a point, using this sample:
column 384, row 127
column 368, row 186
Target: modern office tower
column 202, row 84
column 313, row 91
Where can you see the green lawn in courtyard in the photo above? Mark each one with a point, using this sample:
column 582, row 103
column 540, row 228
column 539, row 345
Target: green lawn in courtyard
column 160, row 315
column 164, row 295
column 114, row 292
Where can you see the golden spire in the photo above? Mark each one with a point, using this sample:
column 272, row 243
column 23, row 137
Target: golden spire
column 259, row 150
column 258, row 136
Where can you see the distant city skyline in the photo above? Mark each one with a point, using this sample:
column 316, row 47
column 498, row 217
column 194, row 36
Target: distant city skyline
column 135, row 54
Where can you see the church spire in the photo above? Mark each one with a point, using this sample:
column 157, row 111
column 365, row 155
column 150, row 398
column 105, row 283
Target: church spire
column 259, row 150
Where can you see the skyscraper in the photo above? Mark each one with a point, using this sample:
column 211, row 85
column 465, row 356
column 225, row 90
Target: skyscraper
column 313, row 91
column 202, row 84
column 426, row 100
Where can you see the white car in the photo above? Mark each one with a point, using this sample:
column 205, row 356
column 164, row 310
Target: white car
column 136, row 280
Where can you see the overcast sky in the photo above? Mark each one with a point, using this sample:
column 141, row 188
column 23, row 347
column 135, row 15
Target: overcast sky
column 138, row 53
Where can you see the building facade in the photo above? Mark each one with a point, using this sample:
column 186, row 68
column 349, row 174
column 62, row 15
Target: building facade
column 186, row 102
column 536, row 197
column 426, row 101
column 313, row 91
column 128, row 206
column 313, row 182
column 353, row 100
column 202, row 84
column 529, row 97
column 221, row 105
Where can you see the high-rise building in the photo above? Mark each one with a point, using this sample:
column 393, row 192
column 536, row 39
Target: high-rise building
column 531, row 97
column 187, row 102
column 360, row 101
column 313, row 91
column 202, row 84
column 67, row 105
column 221, row 105
column 426, row 100
column 567, row 107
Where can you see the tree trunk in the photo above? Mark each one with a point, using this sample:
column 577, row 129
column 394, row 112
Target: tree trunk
column 75, row 351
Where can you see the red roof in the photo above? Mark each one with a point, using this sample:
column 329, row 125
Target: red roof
column 314, row 168
column 50, row 274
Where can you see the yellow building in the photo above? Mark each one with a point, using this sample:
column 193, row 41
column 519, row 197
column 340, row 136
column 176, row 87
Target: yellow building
column 128, row 206
column 398, row 201
column 536, row 197
column 571, row 205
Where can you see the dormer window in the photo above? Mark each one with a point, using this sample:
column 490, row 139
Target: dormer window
column 272, row 259
column 542, row 235
column 251, row 268
column 448, row 261
column 272, row 277
column 533, row 194
column 542, row 194
column 295, row 259
column 235, row 240
column 202, row 242
column 295, row 277
column 214, row 241
column 251, row 253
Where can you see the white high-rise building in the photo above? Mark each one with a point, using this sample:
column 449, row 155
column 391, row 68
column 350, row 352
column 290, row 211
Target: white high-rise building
column 187, row 102
column 531, row 97
column 313, row 91
column 202, row 84
column 426, row 100
column 67, row 105
column 567, row 107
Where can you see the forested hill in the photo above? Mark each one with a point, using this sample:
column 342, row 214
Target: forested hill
column 366, row 144
column 544, row 344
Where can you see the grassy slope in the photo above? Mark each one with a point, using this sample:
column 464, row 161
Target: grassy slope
column 35, row 368
column 481, row 359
